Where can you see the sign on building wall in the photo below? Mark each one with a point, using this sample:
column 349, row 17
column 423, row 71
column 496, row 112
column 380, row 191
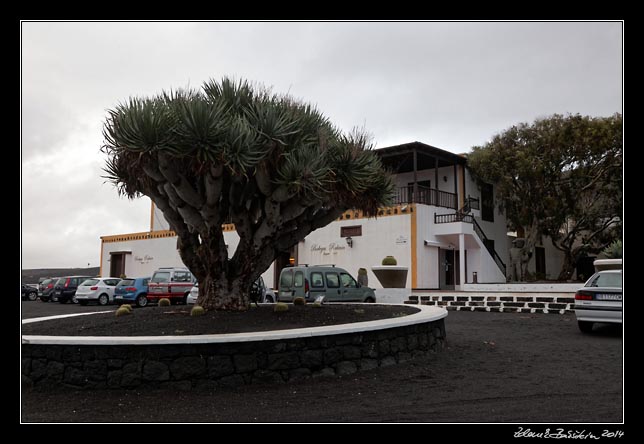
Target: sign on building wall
column 143, row 259
column 400, row 240
column 326, row 250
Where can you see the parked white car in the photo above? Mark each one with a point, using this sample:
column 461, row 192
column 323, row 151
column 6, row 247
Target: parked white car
column 193, row 295
column 100, row 290
column 599, row 300
column 267, row 294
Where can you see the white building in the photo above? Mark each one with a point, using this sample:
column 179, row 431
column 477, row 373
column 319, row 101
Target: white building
column 443, row 227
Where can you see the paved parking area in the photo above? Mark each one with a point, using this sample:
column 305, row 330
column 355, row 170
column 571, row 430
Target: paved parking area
column 498, row 367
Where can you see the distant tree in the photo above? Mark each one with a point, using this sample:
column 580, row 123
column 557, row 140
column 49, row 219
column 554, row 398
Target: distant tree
column 234, row 152
column 562, row 177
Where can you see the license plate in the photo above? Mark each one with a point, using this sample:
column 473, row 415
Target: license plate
column 609, row 297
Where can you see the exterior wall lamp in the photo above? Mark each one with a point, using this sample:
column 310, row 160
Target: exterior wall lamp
column 349, row 241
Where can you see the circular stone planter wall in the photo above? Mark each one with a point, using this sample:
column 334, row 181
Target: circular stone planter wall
column 208, row 361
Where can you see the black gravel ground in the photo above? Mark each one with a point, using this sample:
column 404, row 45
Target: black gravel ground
column 498, row 367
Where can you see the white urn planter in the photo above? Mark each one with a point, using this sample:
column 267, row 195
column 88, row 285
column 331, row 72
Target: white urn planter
column 391, row 276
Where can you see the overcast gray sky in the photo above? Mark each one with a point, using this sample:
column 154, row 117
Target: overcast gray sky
column 451, row 85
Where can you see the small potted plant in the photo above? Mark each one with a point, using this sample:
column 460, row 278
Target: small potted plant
column 363, row 279
column 390, row 274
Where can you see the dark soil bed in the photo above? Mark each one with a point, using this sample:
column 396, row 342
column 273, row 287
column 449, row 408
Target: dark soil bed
column 159, row 321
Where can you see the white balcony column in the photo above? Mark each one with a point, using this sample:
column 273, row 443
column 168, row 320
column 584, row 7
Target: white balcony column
column 461, row 258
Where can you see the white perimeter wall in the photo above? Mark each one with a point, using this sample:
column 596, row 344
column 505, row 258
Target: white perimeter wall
column 149, row 255
column 385, row 236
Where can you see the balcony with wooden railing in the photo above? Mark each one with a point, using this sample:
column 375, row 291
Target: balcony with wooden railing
column 427, row 196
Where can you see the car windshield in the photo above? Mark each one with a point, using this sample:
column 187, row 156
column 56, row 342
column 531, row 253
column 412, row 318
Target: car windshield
column 90, row 282
column 613, row 280
column 162, row 276
column 125, row 282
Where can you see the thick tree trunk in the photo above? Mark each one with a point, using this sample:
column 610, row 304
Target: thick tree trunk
column 568, row 267
column 224, row 293
column 528, row 247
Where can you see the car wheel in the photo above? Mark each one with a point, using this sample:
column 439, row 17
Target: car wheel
column 370, row 300
column 32, row 296
column 184, row 301
column 269, row 299
column 54, row 299
column 83, row 303
column 141, row 301
column 74, row 300
column 103, row 299
column 585, row 326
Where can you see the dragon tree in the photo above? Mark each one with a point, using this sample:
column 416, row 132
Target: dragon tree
column 236, row 152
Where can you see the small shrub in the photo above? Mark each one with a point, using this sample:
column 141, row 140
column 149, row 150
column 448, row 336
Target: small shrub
column 164, row 302
column 299, row 301
column 122, row 312
column 359, row 310
column 613, row 251
column 362, row 271
column 389, row 260
column 280, row 306
column 197, row 310
column 317, row 305
column 128, row 306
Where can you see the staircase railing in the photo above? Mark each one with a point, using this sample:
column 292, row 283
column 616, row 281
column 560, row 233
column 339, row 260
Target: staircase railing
column 461, row 217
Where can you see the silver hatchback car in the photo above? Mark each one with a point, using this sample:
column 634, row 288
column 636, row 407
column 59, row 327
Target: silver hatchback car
column 600, row 300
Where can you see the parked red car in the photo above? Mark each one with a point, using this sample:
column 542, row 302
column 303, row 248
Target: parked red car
column 172, row 283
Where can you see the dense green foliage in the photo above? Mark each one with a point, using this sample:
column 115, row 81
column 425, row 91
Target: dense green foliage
column 613, row 251
column 561, row 177
column 235, row 152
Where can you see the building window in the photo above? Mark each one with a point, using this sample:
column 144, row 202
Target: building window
column 489, row 245
column 348, row 281
column 316, row 280
column 351, row 231
column 286, row 280
column 299, row 279
column 487, row 202
column 332, row 280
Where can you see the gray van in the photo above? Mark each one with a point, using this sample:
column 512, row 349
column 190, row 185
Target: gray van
column 309, row 282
